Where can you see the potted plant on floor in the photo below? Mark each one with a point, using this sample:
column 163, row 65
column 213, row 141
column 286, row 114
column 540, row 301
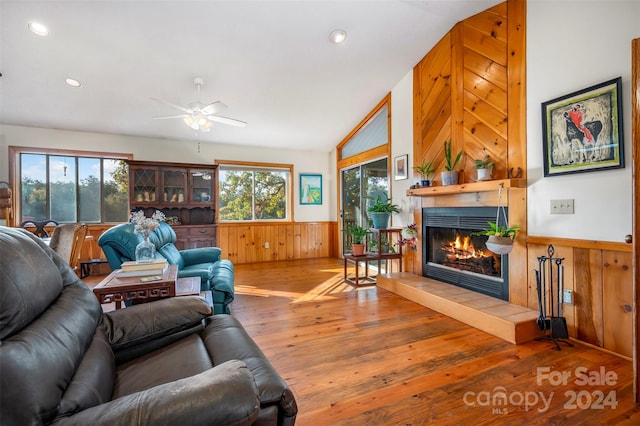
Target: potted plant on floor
column 380, row 211
column 425, row 170
column 483, row 168
column 501, row 238
column 358, row 234
column 450, row 176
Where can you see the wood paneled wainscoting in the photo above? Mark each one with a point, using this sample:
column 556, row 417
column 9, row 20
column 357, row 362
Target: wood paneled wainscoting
column 266, row 242
column 600, row 276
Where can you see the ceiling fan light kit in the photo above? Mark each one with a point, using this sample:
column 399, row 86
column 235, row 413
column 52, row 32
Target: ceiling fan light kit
column 198, row 116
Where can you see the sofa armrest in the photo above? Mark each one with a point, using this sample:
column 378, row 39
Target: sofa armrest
column 155, row 320
column 200, row 255
column 223, row 395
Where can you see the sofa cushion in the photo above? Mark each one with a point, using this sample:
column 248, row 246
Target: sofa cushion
column 151, row 321
column 238, row 345
column 184, row 358
column 171, row 253
column 93, row 382
column 28, row 291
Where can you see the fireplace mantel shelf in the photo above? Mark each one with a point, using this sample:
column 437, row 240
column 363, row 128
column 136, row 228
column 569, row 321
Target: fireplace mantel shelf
column 483, row 186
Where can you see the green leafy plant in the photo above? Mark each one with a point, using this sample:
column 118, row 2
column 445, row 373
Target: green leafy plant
column 499, row 231
column 426, row 169
column 382, row 206
column 448, row 164
column 358, row 233
column 483, row 164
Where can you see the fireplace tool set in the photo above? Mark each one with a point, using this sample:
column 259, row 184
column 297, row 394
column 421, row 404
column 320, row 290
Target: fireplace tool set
column 550, row 283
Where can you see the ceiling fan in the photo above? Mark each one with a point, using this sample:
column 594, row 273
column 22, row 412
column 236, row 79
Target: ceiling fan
column 199, row 116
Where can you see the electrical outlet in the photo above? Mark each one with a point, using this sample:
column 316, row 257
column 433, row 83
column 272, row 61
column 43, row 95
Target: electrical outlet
column 266, row 245
column 562, row 207
column 567, row 297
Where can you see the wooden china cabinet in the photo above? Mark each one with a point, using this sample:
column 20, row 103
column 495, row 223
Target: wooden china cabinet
column 184, row 191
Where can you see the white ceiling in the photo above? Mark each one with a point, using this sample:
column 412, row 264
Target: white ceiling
column 269, row 61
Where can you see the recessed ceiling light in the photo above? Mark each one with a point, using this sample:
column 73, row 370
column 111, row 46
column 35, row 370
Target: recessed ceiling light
column 338, row 36
column 38, row 29
column 73, row 83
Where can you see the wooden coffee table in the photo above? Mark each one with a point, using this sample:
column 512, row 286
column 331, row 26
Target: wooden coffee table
column 114, row 289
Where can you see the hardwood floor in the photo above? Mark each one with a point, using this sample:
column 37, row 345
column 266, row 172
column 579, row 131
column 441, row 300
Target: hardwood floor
column 369, row 357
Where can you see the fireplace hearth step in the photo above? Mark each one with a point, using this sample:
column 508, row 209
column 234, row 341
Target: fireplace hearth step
column 513, row 323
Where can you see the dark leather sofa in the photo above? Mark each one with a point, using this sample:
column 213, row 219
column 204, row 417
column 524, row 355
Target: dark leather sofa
column 62, row 361
column 119, row 245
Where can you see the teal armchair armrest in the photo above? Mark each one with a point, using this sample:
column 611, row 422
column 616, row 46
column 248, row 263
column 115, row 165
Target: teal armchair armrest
column 200, row 255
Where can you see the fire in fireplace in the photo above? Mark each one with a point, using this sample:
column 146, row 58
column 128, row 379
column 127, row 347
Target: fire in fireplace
column 453, row 255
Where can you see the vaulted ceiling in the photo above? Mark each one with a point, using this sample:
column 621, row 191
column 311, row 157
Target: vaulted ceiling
column 270, row 62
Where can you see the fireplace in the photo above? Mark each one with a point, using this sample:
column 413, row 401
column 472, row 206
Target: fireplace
column 451, row 254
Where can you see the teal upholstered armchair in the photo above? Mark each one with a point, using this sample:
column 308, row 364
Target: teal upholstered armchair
column 119, row 245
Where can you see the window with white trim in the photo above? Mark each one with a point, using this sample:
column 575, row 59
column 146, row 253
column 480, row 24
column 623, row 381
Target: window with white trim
column 249, row 192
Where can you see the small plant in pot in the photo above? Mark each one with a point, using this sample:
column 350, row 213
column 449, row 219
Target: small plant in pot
column 483, row 167
column 358, row 234
column 426, row 169
column 380, row 211
column 450, row 175
column 501, row 238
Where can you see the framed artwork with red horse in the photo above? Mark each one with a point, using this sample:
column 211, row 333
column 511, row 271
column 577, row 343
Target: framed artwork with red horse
column 582, row 131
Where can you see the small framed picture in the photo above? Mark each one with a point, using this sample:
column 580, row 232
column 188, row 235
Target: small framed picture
column 310, row 188
column 582, row 131
column 400, row 165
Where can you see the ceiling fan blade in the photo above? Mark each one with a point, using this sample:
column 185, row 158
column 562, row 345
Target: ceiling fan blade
column 187, row 110
column 225, row 120
column 171, row 116
column 213, row 107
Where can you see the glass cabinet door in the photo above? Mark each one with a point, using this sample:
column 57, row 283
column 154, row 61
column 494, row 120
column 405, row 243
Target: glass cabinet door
column 145, row 184
column 201, row 186
column 174, row 184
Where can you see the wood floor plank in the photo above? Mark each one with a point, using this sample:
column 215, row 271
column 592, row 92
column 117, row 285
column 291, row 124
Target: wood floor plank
column 368, row 356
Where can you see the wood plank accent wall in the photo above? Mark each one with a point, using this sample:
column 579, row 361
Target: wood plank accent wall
column 470, row 89
column 600, row 276
column 245, row 243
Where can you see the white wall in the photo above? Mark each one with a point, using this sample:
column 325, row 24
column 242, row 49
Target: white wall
column 151, row 149
column 570, row 46
column 402, row 143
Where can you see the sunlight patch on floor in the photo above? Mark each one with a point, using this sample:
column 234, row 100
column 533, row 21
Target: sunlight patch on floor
column 322, row 291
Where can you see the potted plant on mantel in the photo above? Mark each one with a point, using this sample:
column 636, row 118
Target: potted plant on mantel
column 425, row 170
column 501, row 238
column 483, row 168
column 358, row 233
column 380, row 211
column 450, row 175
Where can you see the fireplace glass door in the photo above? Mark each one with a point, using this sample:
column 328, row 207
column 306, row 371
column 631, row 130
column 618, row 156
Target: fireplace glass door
column 454, row 255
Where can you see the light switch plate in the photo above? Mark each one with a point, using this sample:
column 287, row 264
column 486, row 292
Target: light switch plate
column 567, row 297
column 562, row 206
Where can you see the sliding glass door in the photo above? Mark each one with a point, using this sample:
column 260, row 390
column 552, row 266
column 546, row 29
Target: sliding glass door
column 359, row 185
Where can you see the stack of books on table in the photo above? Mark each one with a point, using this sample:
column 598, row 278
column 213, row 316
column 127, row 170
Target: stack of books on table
column 133, row 269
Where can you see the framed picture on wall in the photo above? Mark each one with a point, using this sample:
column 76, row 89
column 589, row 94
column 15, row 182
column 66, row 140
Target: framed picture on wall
column 582, row 131
column 400, row 165
column 310, row 188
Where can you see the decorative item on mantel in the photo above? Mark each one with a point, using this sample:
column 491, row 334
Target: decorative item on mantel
column 450, row 175
column 425, row 170
column 146, row 250
column 483, row 168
